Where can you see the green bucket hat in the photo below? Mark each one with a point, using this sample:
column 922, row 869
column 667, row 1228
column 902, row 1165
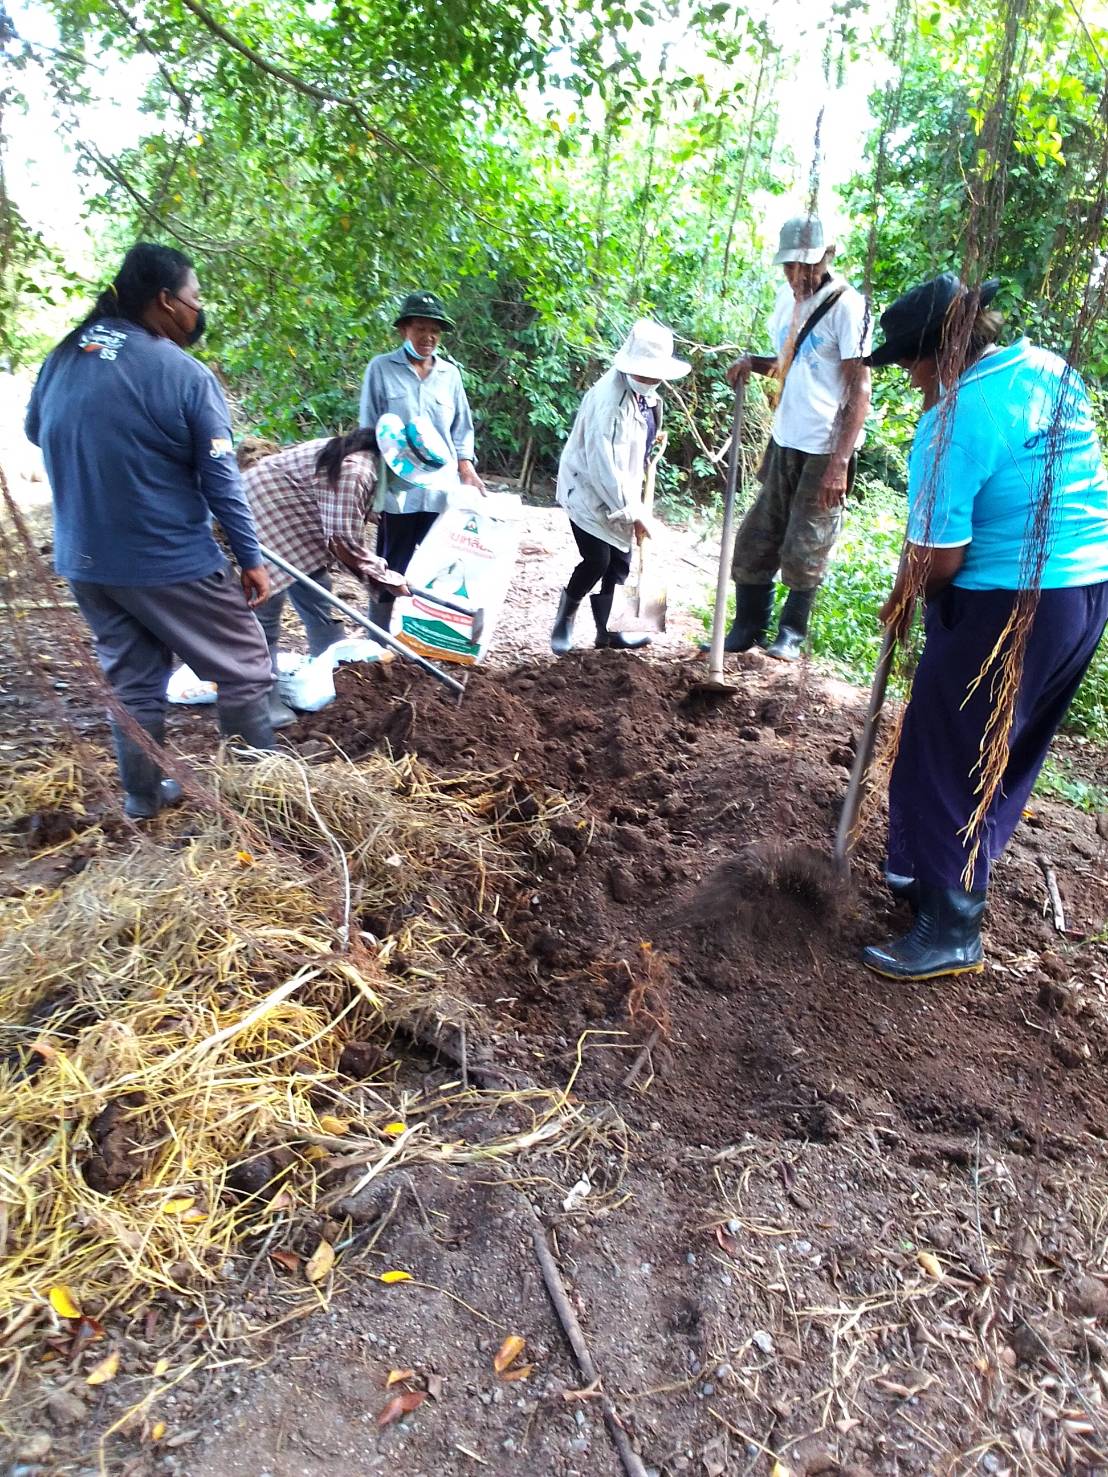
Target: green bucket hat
column 423, row 305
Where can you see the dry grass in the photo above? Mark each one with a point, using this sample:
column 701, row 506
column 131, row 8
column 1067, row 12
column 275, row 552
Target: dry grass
column 181, row 1009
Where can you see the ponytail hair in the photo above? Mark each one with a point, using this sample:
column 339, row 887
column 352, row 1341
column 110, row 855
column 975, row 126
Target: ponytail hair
column 330, row 459
column 146, row 271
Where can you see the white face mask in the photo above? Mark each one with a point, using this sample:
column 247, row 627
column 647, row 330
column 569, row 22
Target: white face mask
column 648, row 391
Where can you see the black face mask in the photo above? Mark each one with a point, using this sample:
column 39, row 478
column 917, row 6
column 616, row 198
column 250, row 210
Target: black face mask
column 197, row 331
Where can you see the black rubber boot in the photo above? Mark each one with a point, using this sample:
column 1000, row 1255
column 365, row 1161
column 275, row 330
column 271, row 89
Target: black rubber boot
column 793, row 627
column 903, row 889
column 601, row 610
column 753, row 610
column 146, row 792
column 945, row 938
column 249, row 722
column 561, row 637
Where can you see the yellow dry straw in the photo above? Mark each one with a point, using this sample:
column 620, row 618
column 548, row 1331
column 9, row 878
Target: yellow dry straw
column 198, row 989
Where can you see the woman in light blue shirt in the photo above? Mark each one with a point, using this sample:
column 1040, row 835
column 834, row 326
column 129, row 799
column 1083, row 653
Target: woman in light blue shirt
column 1007, row 529
column 413, row 381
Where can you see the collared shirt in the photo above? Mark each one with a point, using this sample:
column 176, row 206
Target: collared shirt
column 297, row 511
column 1019, row 425
column 392, row 385
column 137, row 443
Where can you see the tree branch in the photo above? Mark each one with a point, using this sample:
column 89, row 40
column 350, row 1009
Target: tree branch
column 321, row 94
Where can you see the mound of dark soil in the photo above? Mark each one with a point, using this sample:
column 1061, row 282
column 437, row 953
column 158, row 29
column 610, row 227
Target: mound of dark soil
column 691, row 882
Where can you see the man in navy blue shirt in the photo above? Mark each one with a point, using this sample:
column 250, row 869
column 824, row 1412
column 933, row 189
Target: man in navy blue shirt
column 136, row 438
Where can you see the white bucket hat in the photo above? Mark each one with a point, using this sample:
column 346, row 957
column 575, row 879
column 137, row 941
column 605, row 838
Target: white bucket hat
column 647, row 353
column 802, row 241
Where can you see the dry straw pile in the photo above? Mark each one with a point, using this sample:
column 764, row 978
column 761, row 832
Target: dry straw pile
column 170, row 1078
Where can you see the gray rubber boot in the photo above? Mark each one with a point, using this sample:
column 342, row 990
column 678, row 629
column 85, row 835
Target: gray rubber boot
column 249, row 722
column 280, row 714
column 793, row 629
column 146, row 792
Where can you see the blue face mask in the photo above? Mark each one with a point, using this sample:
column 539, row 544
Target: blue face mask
column 411, row 351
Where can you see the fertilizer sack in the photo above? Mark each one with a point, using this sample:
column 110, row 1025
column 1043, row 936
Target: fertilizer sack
column 468, row 556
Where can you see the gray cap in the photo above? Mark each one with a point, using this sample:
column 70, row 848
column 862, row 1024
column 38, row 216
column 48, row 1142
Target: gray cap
column 801, row 241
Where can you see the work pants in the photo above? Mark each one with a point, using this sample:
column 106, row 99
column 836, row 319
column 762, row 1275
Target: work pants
column 398, row 537
column 322, row 624
column 931, row 791
column 786, row 529
column 601, row 564
column 206, row 622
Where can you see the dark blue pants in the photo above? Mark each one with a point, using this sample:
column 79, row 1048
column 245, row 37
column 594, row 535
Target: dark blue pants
column 931, row 792
column 399, row 535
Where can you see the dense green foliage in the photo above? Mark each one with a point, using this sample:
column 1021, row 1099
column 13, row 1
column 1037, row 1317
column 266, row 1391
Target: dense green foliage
column 555, row 168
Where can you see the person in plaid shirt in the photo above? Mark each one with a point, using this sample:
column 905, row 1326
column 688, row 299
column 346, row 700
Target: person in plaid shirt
column 311, row 503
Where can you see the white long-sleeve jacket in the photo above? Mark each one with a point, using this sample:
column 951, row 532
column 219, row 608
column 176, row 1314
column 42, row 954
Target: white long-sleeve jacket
column 600, row 474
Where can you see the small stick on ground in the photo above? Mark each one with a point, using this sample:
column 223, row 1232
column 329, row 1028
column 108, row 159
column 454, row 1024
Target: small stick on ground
column 1055, row 896
column 632, row 1463
column 640, row 1061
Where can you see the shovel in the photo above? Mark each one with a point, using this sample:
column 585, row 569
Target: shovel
column 863, row 759
column 377, row 632
column 715, row 685
column 646, row 603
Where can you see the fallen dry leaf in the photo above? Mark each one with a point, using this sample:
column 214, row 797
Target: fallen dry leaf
column 106, row 1370
column 401, row 1405
column 88, row 1331
column 244, row 858
column 162, row 1367
column 330, row 1124
column 394, row 1130
column 931, row 1265
column 320, row 1262
column 157, row 1430
column 63, row 1302
column 397, row 1376
column 521, row 1372
column 434, row 1386
column 509, row 1351
column 179, row 1204
column 727, row 1241
column 287, row 1259
column 391, row 1277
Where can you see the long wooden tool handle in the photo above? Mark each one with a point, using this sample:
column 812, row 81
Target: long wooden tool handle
column 727, row 538
column 377, row 632
column 863, row 759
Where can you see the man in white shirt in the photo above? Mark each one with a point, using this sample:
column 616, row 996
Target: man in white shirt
column 820, row 330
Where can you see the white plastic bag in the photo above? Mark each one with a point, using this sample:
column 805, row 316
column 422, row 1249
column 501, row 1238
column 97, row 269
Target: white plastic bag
column 469, row 555
column 186, row 689
column 312, row 685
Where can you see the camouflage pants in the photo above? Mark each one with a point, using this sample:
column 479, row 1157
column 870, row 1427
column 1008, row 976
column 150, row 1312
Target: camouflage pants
column 786, row 529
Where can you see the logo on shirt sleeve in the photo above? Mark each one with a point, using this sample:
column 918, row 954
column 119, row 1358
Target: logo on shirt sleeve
column 221, row 446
